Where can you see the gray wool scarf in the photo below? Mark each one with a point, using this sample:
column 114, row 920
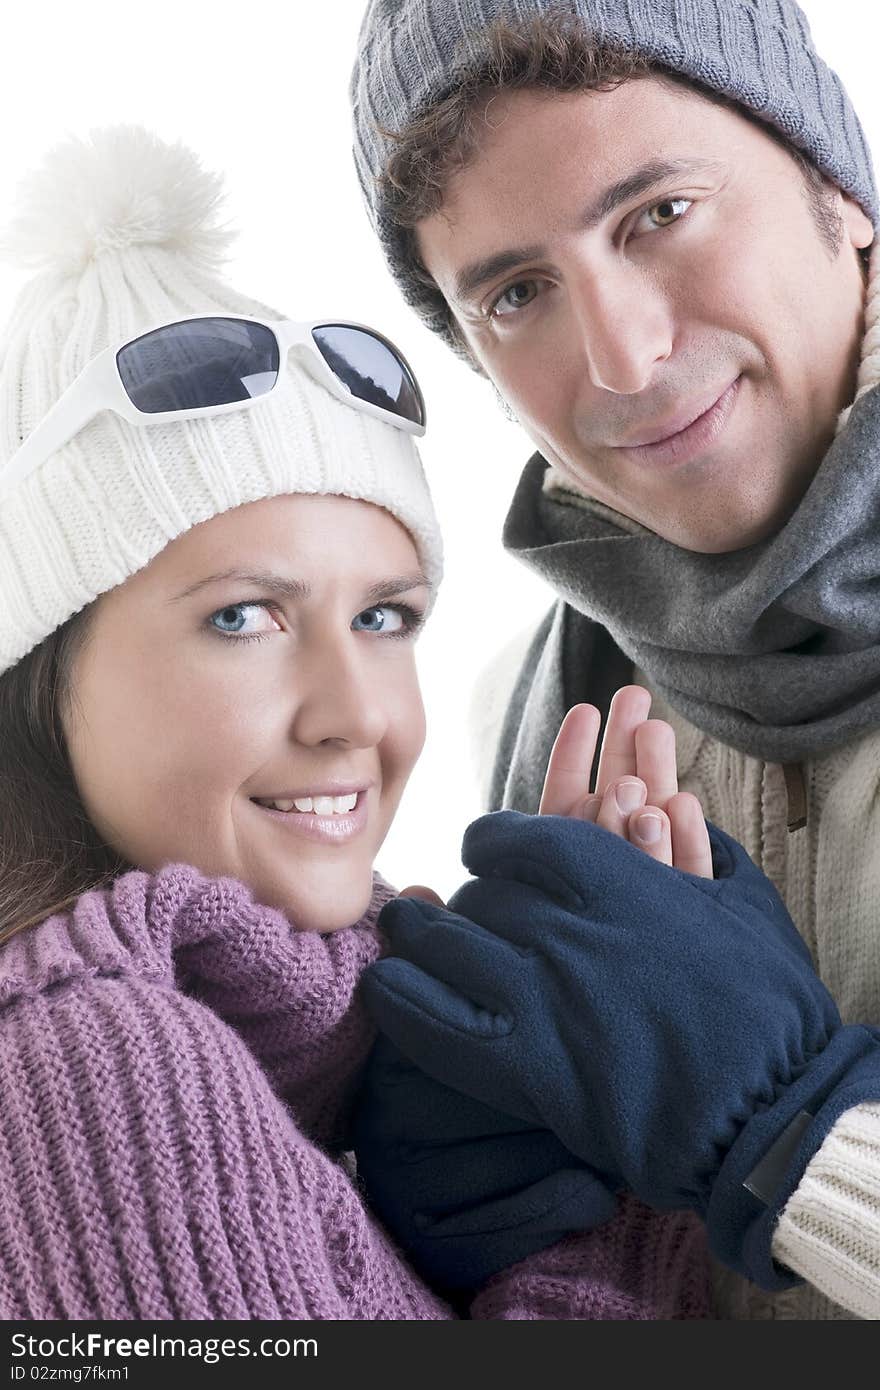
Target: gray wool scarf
column 773, row 650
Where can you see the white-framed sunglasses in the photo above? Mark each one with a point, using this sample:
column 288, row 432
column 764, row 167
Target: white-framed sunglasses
column 208, row 364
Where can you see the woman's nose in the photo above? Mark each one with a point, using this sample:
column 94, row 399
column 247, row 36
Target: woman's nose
column 341, row 698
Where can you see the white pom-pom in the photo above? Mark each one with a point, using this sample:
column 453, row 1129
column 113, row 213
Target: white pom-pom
column 121, row 186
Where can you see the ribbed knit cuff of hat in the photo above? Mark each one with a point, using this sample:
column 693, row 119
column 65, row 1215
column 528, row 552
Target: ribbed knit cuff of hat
column 102, row 507
column 770, row 1155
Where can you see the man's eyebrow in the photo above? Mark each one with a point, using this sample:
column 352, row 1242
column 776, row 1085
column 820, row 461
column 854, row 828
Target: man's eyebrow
column 634, row 184
column 297, row 588
column 472, row 277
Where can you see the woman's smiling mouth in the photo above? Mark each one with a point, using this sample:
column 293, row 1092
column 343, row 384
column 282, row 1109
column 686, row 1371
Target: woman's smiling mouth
column 330, row 817
column 319, row 805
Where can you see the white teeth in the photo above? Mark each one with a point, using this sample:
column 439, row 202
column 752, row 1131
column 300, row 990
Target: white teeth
column 319, row 805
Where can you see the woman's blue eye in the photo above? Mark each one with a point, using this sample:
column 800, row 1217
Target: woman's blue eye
column 232, row 614
column 385, row 619
column 389, row 620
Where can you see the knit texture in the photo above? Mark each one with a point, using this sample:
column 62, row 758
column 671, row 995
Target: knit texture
column 144, row 251
column 176, row 1062
column 412, row 53
column 648, row 1267
column 838, row 1193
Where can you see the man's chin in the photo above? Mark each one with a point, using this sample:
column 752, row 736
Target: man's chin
column 745, row 535
column 723, row 529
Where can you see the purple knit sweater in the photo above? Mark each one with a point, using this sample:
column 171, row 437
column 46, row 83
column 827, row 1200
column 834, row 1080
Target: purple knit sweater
column 175, row 1063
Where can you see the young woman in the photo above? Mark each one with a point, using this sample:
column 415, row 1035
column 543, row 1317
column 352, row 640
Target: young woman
column 208, row 713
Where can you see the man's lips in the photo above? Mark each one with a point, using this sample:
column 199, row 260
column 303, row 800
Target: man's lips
column 675, row 424
column 693, row 441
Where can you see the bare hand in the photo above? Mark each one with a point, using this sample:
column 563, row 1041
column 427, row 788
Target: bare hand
column 636, row 784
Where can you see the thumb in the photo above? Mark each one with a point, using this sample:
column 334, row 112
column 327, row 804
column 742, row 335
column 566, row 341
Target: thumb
column 427, row 895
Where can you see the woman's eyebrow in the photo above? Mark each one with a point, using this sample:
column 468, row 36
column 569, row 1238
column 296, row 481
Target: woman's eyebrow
column 262, row 579
column 297, row 588
column 387, row 588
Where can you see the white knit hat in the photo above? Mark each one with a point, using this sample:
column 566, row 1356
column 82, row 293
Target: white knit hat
column 123, row 229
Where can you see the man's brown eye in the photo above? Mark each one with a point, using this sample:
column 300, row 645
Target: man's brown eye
column 665, row 213
column 515, row 297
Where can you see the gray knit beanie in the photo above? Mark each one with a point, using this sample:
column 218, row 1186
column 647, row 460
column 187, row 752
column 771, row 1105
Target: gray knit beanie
column 757, row 52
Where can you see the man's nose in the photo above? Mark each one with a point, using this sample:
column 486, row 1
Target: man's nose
column 624, row 327
column 340, row 697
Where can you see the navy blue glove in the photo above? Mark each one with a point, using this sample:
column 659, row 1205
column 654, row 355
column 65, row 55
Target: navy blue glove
column 669, row 1029
column 465, row 1190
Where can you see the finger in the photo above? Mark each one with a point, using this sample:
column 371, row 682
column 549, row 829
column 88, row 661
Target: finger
column 446, row 1035
column 527, row 854
column 448, row 947
column 568, row 1198
column 649, row 830
column 588, row 809
column 427, row 895
column 629, row 708
column 420, row 1014
column 618, row 803
column 414, row 1106
column 655, row 760
column 691, row 849
column 570, row 763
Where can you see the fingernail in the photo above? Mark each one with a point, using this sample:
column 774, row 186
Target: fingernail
column 628, row 795
column 649, row 829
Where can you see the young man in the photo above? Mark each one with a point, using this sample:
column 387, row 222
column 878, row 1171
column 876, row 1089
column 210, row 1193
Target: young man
column 649, row 225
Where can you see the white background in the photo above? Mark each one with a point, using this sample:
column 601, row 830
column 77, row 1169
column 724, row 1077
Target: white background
column 260, row 92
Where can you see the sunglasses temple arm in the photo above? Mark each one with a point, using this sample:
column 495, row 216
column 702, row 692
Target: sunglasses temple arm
column 71, row 412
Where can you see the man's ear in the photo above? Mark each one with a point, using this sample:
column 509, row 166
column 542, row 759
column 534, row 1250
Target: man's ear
column 859, row 228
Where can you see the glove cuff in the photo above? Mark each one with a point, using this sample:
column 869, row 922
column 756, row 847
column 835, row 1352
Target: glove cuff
column 768, row 1160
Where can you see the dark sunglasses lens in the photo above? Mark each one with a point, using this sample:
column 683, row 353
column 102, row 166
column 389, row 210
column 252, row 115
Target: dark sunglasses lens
column 370, row 368
column 202, row 362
